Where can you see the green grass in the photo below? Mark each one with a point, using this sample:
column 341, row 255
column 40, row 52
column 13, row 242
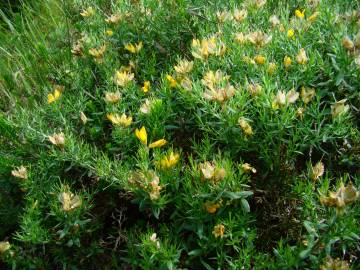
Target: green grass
column 234, row 185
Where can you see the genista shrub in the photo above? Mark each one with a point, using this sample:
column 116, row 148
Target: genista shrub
column 184, row 134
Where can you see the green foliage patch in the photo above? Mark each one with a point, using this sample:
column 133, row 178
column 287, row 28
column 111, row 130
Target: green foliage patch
column 180, row 135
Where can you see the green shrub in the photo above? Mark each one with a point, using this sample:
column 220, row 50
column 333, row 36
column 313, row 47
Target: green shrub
column 180, row 135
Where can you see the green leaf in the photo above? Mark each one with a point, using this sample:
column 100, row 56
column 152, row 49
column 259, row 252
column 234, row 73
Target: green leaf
column 237, row 195
column 245, row 205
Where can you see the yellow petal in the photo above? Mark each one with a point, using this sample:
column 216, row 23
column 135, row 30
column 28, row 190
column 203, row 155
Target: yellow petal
column 158, row 143
column 141, row 135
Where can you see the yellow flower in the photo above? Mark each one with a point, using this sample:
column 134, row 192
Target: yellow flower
column 57, row 139
column 254, row 89
column 146, row 86
column 83, row 118
column 109, row 32
column 357, row 61
column 218, row 86
column 98, row 53
column 134, row 48
column 155, row 240
column 69, row 201
column 122, row 78
column 300, row 14
column 292, row 96
column 258, row 38
column 248, row 60
column 20, row 172
column 317, row 171
column 52, row 97
column 307, row 94
column 300, row 112
column 287, row 62
column 186, row 83
column 339, row 199
column 336, row 264
column 184, row 67
column 259, row 3
column 4, row 246
column 141, row 135
column 248, row 168
column 88, row 12
column 357, row 40
column 112, row 97
column 171, row 80
column 260, row 59
column 290, row 33
column 240, row 37
column 158, row 143
column 223, row 16
column 77, row 48
column 146, row 106
column 339, row 108
column 211, row 207
column 313, row 16
column 219, row 231
column 274, row 20
column 280, row 100
column 245, row 126
column 147, row 181
column 206, row 47
column 302, row 58
column 154, row 187
column 347, row 43
column 169, row 161
column 114, row 18
column 211, row 172
column 271, row 68
column 240, row 15
column 122, row 120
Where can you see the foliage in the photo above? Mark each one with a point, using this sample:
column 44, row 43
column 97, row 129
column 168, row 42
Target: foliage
column 184, row 134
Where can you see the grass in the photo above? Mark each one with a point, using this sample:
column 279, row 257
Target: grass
column 241, row 152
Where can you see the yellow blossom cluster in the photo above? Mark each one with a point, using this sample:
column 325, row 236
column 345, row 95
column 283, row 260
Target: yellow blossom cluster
column 218, row 86
column 342, row 197
column 202, row 49
column 141, row 134
column 210, row 171
column 149, row 182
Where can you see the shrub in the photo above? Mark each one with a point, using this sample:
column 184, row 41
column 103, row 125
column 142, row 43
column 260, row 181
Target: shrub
column 180, row 135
